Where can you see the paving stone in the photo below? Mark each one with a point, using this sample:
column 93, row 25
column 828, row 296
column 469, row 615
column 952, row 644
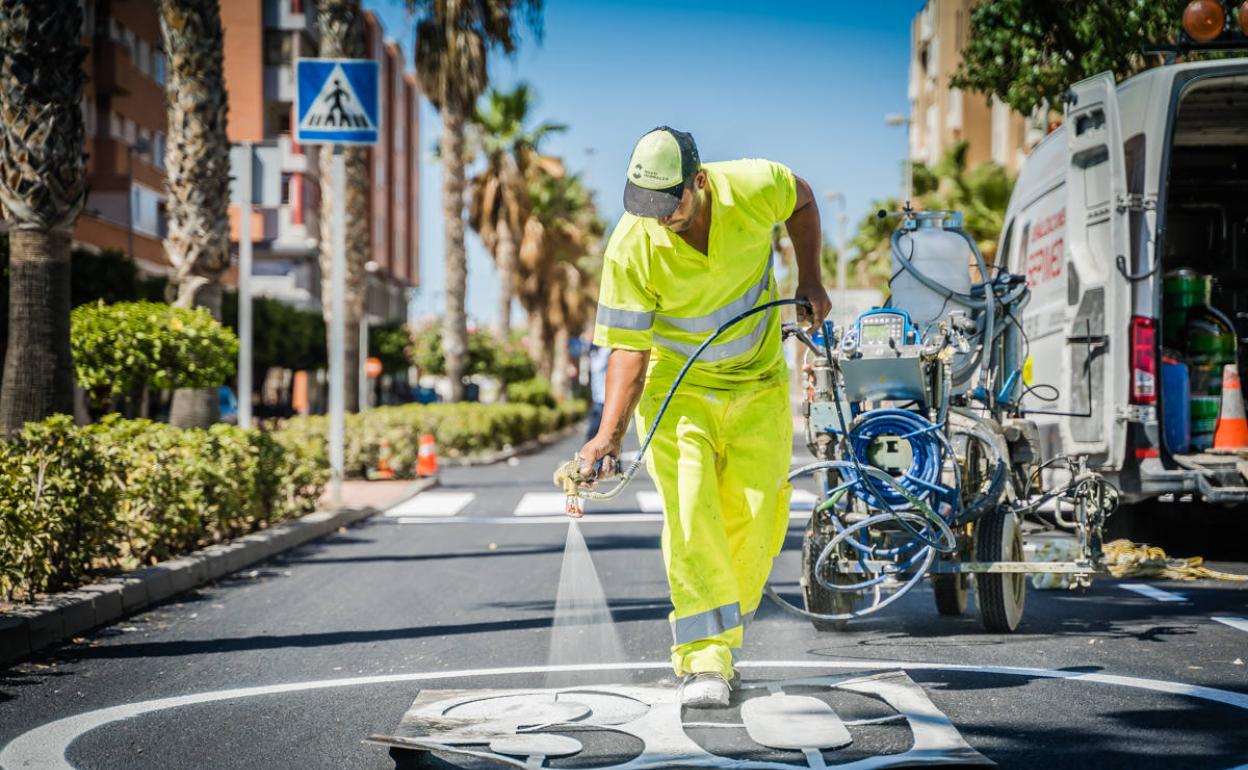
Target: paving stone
column 77, row 612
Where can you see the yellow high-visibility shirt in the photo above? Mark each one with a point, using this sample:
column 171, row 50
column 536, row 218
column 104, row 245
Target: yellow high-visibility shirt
column 660, row 294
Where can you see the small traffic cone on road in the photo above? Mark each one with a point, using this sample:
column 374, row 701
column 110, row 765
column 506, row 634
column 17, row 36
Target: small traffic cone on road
column 384, row 471
column 1232, row 430
column 427, row 457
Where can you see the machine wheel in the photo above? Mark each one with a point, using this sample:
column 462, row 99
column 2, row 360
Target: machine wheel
column 951, row 592
column 817, row 598
column 1000, row 596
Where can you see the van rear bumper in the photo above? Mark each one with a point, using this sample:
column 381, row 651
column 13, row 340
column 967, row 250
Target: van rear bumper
column 1222, row 485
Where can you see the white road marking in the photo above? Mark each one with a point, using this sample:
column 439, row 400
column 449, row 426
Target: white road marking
column 802, row 500
column 1143, row 589
column 1240, row 624
column 540, row 504
column 44, row 747
column 433, row 504
column 649, row 501
column 797, row 515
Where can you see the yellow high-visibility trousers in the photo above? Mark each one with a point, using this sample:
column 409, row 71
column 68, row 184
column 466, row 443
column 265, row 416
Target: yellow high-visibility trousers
column 720, row 459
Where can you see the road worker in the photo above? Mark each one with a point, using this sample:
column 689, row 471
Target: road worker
column 692, row 252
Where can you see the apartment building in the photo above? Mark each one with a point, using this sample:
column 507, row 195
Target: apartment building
column 262, row 41
column 940, row 115
column 123, row 109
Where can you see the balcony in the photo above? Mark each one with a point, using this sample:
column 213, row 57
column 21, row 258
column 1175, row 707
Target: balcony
column 291, row 15
column 296, row 161
column 279, row 83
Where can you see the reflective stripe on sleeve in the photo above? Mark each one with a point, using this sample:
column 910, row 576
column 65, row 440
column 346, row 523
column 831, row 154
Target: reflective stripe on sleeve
column 630, row 320
column 712, row 321
column 704, row 625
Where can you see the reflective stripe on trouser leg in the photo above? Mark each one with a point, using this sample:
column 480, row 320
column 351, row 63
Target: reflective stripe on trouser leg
column 710, row 557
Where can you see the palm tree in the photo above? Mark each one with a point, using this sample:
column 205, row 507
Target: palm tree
column 42, row 189
column 342, row 36
column 561, row 230
column 453, row 40
column 197, row 179
column 498, row 196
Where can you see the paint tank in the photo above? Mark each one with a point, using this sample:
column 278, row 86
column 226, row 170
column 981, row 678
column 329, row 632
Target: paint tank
column 941, row 255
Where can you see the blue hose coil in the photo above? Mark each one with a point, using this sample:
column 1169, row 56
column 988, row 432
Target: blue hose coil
column 922, row 478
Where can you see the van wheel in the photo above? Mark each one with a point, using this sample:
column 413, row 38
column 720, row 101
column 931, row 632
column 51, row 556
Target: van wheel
column 950, row 592
column 1000, row 596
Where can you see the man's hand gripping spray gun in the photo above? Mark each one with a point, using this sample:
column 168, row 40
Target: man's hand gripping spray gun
column 577, row 486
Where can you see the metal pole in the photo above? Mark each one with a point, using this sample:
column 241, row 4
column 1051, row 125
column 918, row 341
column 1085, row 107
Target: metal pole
column 337, row 327
column 842, row 257
column 362, row 364
column 130, row 201
column 244, row 291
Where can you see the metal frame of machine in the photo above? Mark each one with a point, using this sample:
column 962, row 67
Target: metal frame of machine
column 925, row 460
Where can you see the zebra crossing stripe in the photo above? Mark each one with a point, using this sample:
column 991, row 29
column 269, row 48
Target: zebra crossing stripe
column 432, row 504
column 540, row 504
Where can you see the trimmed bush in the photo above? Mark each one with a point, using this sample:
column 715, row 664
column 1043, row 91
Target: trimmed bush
column 536, row 391
column 128, row 347
column 460, row 429
column 122, row 493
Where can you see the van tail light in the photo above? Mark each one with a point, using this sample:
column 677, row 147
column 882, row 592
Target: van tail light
column 1143, row 360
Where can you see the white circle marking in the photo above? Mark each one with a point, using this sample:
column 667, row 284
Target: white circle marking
column 45, row 746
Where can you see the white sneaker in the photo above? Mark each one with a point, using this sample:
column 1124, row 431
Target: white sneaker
column 705, row 691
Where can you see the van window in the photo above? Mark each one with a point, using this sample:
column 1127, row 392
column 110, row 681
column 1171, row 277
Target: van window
column 1133, row 155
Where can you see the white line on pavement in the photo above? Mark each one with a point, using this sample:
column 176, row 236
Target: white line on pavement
column 540, row 504
column 45, row 746
column 1143, row 589
column 433, row 504
column 1236, row 623
column 649, row 501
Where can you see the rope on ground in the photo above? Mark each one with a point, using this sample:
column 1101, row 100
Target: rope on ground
column 1124, row 558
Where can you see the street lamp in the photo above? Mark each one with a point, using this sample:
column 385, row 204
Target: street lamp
column 140, row 146
column 842, row 253
column 897, row 119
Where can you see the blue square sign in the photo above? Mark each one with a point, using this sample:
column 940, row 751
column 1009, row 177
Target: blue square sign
column 337, row 101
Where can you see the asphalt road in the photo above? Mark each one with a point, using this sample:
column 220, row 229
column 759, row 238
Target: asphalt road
column 293, row 663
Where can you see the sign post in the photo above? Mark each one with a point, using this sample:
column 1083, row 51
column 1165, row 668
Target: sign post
column 244, row 290
column 337, row 102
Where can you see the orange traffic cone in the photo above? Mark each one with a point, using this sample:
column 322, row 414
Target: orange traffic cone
column 427, row 458
column 384, row 471
column 1232, row 430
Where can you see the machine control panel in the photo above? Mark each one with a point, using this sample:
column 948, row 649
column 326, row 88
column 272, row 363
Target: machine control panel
column 878, row 331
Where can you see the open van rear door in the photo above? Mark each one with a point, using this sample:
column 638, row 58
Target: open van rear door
column 1097, row 295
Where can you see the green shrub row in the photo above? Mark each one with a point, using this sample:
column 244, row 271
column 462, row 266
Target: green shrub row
column 122, row 493
column 459, row 430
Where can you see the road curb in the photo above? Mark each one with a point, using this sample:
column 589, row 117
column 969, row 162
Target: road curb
column 528, row 447
column 32, row 627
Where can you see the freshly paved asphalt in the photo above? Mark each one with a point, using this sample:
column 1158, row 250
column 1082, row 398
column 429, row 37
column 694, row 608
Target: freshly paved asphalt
column 387, row 598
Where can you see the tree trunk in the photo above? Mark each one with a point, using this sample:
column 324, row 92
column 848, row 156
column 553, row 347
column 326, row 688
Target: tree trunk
column 42, row 189
column 197, row 159
column 341, row 25
column 559, row 364
column 455, row 323
column 38, row 369
column 539, row 350
column 506, row 259
column 200, row 407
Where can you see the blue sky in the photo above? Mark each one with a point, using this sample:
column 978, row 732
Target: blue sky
column 803, row 82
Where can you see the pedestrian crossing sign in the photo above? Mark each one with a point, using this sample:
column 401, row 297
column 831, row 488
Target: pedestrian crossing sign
column 336, row 101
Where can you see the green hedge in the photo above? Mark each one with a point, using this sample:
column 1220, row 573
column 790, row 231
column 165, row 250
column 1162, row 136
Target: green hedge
column 459, row 429
column 122, row 493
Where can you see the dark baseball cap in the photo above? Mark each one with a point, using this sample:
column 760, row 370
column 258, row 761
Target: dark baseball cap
column 663, row 162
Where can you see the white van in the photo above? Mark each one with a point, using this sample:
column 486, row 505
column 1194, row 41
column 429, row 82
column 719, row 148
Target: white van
column 1142, row 179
